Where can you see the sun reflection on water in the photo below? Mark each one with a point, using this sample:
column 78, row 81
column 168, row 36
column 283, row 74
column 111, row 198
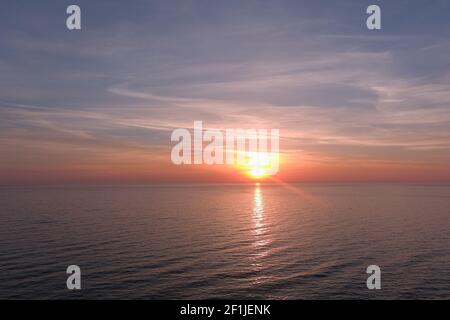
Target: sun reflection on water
column 258, row 210
column 259, row 219
column 260, row 233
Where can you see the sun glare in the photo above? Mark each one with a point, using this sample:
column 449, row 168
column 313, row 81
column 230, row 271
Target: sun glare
column 259, row 164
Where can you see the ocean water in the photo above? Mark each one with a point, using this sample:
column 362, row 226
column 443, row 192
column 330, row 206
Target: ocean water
column 226, row 241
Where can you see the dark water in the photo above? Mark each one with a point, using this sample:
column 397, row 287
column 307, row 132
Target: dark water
column 271, row 242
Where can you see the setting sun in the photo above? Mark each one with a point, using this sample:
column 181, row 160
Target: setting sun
column 259, row 164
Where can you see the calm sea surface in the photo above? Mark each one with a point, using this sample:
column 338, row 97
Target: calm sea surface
column 226, row 241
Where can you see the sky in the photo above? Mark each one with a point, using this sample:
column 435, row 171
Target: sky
column 98, row 105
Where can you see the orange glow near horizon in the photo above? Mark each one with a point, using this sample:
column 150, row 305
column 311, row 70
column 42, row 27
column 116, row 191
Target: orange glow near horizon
column 63, row 164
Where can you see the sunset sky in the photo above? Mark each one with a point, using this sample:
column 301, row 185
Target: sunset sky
column 99, row 105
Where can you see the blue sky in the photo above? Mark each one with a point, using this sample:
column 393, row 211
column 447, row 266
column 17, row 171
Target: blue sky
column 137, row 69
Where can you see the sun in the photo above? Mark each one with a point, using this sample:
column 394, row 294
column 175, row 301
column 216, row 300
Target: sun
column 258, row 164
column 257, row 172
